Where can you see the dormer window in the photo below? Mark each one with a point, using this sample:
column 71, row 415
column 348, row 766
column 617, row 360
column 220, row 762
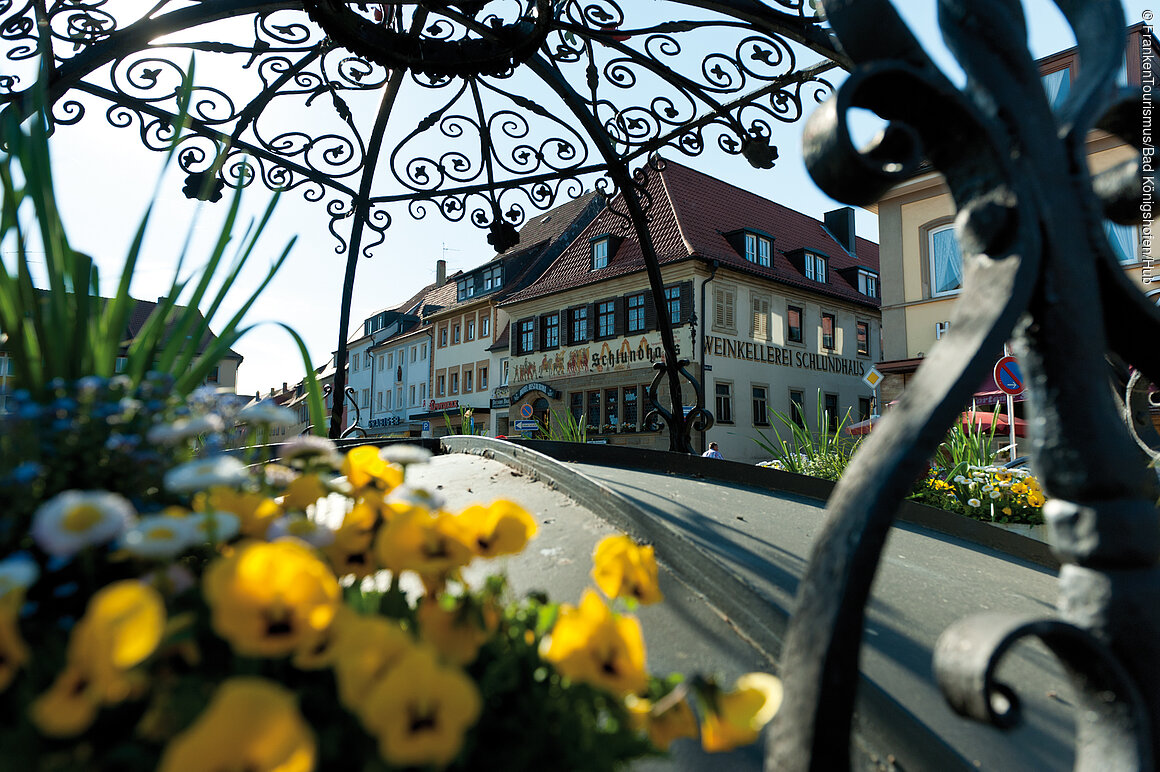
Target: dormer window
column 493, row 278
column 600, row 253
column 868, row 283
column 758, row 248
column 465, row 289
column 815, row 267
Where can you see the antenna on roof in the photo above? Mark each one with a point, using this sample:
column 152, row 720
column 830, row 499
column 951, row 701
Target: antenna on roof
column 447, row 249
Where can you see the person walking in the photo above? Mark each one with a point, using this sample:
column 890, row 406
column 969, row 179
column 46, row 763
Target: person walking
column 712, row 452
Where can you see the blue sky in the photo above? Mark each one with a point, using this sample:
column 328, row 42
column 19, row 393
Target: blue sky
column 105, row 178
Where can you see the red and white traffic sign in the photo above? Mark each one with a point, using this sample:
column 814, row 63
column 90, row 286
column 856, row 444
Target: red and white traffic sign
column 1008, row 376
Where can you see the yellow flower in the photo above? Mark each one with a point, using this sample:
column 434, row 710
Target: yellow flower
column 13, row 651
column 69, row 706
column 663, row 722
column 1018, row 488
column 366, row 649
column 255, row 510
column 421, row 711
column 621, row 568
column 249, row 724
column 424, row 543
column 504, row 528
column 269, row 599
column 303, row 492
column 738, row 716
column 320, row 650
column 593, row 645
column 122, row 627
column 1035, row 498
column 350, row 552
column 455, row 633
column 364, row 468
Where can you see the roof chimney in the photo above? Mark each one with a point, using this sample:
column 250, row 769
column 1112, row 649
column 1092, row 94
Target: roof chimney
column 840, row 224
column 284, row 385
column 440, row 272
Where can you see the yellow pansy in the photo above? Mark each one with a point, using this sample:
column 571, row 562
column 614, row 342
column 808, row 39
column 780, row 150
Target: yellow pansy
column 13, row 651
column 503, row 528
column 596, row 646
column 364, row 468
column 350, row 552
column 255, row 510
column 1018, row 488
column 251, row 724
column 320, row 650
column 69, row 706
column 622, row 568
column 1035, row 498
column 269, row 599
column 738, row 716
column 428, row 544
column 664, row 721
column 454, row 632
column 366, row 649
column 122, row 626
column 304, row 491
column 421, row 711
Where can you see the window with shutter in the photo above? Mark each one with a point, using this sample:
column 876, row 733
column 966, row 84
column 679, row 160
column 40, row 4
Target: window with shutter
column 760, row 328
column 723, row 317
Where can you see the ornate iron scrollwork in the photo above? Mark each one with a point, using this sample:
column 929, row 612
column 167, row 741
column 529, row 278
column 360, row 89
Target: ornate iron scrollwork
column 525, row 101
column 1037, row 266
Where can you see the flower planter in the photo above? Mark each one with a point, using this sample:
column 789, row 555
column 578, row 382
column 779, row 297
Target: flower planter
column 1037, row 532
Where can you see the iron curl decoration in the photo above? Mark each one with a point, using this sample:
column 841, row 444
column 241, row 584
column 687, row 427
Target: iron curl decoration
column 1038, row 268
column 696, row 419
column 1112, row 723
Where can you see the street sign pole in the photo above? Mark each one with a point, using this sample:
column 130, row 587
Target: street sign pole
column 1010, row 413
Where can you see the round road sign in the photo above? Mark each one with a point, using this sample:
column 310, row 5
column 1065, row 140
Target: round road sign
column 526, row 411
column 1008, row 376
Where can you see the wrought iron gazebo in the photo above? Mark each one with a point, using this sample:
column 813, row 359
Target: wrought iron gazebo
column 524, row 99
column 479, row 110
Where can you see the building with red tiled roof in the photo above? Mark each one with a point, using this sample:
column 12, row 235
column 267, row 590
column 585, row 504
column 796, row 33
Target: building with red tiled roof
column 772, row 306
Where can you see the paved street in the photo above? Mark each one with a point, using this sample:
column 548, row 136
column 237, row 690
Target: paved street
column 927, row 580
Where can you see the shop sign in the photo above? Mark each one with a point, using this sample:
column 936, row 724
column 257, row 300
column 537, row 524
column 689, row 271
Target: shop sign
column 501, row 392
column 614, row 355
column 378, row 423
column 449, row 405
column 781, row 356
column 535, row 386
column 501, row 402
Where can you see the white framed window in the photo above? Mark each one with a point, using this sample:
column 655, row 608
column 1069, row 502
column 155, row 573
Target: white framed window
column 354, row 362
column 815, row 267
column 412, row 395
column 422, row 392
column 751, row 247
column 423, row 350
column 380, row 400
column 366, row 398
column 758, row 249
column 868, row 283
column 503, row 369
column 1057, row 85
column 599, row 254
column 724, row 394
column 467, row 381
column 470, row 329
column 636, row 312
column 946, row 261
column 1124, row 240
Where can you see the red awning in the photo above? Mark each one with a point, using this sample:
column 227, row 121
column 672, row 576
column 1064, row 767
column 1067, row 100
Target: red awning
column 980, row 418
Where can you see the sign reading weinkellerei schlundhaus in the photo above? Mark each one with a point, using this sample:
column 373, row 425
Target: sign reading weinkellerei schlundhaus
column 613, row 355
column 782, row 356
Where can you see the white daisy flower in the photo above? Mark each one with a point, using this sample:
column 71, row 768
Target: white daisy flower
column 960, row 479
column 214, row 527
column 73, row 520
column 17, row 572
column 974, row 503
column 278, row 475
column 159, row 537
column 205, row 473
column 184, row 428
column 405, row 496
column 995, row 494
column 301, row 527
column 403, row 455
column 266, row 412
column 988, row 488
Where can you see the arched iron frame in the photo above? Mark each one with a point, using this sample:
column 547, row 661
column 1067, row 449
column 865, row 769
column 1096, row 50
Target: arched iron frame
column 330, row 49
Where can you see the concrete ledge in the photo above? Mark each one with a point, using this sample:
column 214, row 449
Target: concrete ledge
column 883, row 728
column 776, row 481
